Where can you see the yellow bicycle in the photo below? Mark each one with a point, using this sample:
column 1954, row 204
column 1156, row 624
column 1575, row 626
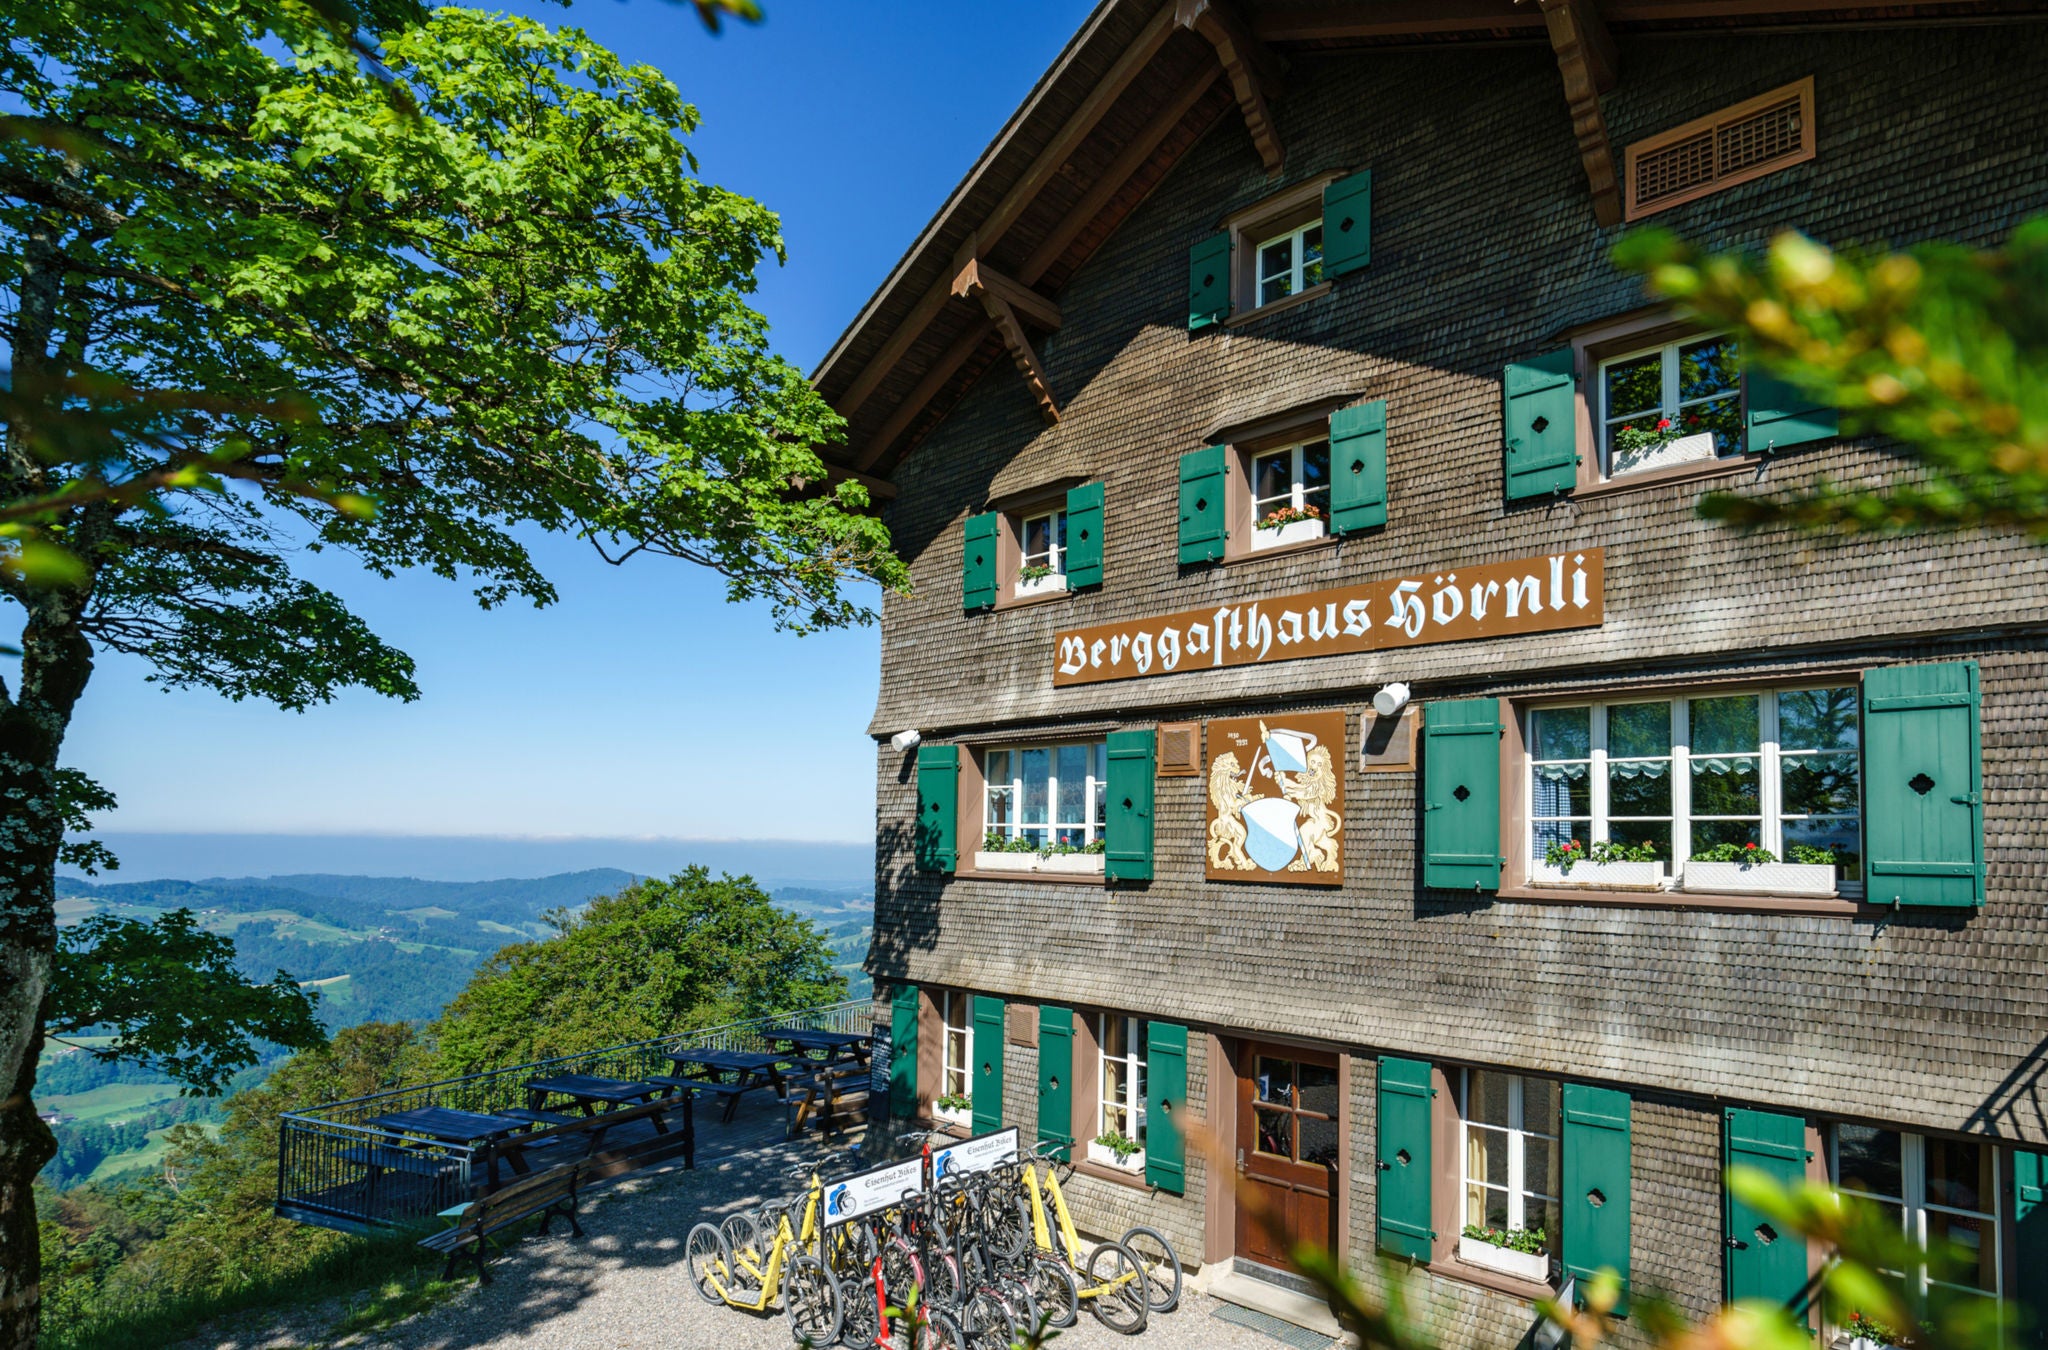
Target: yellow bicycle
column 750, row 1279
column 1111, row 1279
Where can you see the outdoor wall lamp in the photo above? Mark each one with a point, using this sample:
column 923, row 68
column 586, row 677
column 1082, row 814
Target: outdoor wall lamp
column 1390, row 699
column 904, row 740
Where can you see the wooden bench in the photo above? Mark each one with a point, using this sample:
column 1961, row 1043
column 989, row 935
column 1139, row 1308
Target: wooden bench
column 831, row 1097
column 547, row 1193
column 728, row 1093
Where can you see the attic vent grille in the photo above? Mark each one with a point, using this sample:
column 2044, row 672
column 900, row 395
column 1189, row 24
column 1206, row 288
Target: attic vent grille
column 1749, row 140
column 1180, row 749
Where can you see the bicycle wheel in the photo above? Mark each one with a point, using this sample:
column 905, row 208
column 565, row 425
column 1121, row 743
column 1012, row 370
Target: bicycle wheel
column 704, row 1252
column 901, row 1270
column 742, row 1236
column 942, row 1284
column 989, row 1322
column 1054, row 1293
column 1162, row 1267
column 812, row 1302
column 1007, row 1229
column 860, row 1317
column 939, row 1332
column 1119, row 1303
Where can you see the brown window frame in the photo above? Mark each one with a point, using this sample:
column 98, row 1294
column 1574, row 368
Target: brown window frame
column 1801, row 89
column 1010, row 549
column 1602, row 342
column 971, row 806
column 1261, row 222
column 1276, row 434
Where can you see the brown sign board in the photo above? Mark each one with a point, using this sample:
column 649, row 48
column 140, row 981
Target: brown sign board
column 1276, row 799
column 1387, row 744
column 1529, row 595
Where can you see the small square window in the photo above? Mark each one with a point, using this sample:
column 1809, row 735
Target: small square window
column 1290, row 263
column 1678, row 403
column 1290, row 489
column 1041, row 553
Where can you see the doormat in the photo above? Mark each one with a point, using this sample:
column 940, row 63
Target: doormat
column 1301, row 1338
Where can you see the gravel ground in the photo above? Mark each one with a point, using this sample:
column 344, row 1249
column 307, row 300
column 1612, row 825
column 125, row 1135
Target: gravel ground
column 624, row 1285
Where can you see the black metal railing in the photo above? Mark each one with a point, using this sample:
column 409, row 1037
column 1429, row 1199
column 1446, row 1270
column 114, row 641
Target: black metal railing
column 336, row 1170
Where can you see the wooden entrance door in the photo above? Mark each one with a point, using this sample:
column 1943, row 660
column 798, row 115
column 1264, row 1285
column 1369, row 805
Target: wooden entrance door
column 1289, row 1148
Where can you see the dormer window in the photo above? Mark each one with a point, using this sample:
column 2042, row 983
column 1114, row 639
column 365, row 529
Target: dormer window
column 1042, row 553
column 1291, row 263
column 1290, row 494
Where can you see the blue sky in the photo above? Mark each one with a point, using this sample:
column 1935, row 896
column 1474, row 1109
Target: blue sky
column 640, row 705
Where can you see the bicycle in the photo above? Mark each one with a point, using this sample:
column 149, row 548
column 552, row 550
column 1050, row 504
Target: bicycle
column 809, row 1296
column 1110, row 1278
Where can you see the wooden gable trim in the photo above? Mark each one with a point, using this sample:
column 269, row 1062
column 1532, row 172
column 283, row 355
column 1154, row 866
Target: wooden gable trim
column 1253, row 70
column 1586, row 59
column 998, row 221
column 915, row 402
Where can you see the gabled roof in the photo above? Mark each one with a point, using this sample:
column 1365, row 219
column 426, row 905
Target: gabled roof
column 1135, row 88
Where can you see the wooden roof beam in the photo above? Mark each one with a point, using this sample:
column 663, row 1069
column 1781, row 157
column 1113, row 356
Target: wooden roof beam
column 1021, row 194
column 1389, row 19
column 1115, row 178
column 1002, row 298
column 976, row 279
column 1254, row 71
column 920, row 397
column 1586, row 59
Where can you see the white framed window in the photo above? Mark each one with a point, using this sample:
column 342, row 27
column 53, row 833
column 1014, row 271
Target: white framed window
column 1510, row 1126
column 1671, row 404
column 1945, row 1195
column 1046, row 794
column 1121, row 1045
column 1290, row 263
column 1776, row 768
column 1290, row 493
column 1042, row 552
column 956, row 1076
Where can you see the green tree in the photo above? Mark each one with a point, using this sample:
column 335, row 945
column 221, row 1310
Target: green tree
column 1942, row 349
column 263, row 295
column 658, row 957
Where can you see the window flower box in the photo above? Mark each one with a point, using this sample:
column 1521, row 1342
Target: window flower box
column 1531, row 1266
column 1293, row 532
column 1053, row 583
column 1775, row 878
column 1105, row 1156
column 1639, row 876
column 1067, row 864
column 1664, row 454
column 960, row 1116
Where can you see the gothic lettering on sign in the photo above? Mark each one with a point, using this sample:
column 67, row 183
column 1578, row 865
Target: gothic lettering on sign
column 1529, row 595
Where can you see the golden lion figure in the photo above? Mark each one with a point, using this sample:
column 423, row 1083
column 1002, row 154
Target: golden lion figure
column 1226, row 833
column 1313, row 792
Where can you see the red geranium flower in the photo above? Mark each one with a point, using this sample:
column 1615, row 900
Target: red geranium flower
column 1664, row 424
column 1749, row 845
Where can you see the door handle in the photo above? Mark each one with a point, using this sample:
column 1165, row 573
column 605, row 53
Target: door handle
column 1736, row 1244
column 1240, row 1160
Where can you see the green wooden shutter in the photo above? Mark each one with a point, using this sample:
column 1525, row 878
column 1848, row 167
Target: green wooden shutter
column 1056, row 1076
column 2030, row 1237
column 1166, row 1091
column 978, row 562
column 987, row 1089
column 1781, row 416
column 1923, row 816
column 937, row 842
column 1461, row 795
column 1128, row 831
column 1358, row 467
column 1209, row 282
column 1404, row 1159
column 1763, row 1262
column 1202, row 491
column 903, row 1052
column 1084, row 536
column 1347, row 224
column 1541, row 425
column 1595, row 1202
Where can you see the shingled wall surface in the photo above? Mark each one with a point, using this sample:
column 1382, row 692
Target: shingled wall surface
column 1484, row 250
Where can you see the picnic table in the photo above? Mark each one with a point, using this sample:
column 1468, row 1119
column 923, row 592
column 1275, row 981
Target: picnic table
column 593, row 1096
column 825, row 1047
column 447, row 1125
column 730, row 1073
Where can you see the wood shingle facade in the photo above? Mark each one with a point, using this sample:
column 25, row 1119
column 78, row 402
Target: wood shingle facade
column 1621, row 1041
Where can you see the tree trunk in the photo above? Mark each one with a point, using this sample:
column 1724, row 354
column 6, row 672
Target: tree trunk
column 56, row 662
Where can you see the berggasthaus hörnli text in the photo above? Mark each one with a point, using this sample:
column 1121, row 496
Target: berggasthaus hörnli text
column 1528, row 595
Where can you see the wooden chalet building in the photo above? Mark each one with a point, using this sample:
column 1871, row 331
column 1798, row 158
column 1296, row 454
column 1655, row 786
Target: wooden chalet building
column 1269, row 363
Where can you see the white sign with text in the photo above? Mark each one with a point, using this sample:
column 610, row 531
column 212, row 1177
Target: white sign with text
column 974, row 1155
column 865, row 1192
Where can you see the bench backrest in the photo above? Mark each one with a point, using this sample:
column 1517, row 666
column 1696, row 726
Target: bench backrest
column 523, row 1196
